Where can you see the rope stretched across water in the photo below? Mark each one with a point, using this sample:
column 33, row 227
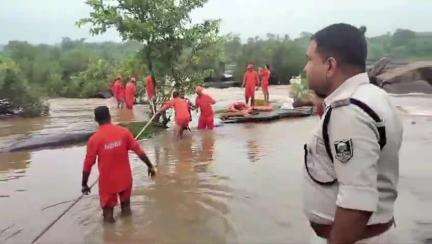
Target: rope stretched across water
column 82, row 195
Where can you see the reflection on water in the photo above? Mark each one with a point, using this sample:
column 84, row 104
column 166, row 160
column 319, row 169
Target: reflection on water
column 254, row 151
column 14, row 161
column 13, row 165
column 207, row 149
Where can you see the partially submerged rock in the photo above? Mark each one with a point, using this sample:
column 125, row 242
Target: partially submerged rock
column 73, row 138
column 419, row 86
column 412, row 77
column 47, row 141
column 104, row 94
column 379, row 67
column 6, row 108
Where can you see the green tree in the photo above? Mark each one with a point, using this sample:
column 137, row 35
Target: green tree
column 94, row 79
column 285, row 56
column 170, row 41
column 14, row 88
column 75, row 61
column 402, row 37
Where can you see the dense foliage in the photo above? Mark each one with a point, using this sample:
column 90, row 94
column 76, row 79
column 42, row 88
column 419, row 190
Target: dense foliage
column 179, row 54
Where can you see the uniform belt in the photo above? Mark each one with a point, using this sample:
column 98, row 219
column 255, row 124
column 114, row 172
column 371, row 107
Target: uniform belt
column 323, row 231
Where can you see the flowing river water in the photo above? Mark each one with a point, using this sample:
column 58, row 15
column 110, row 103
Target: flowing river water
column 240, row 183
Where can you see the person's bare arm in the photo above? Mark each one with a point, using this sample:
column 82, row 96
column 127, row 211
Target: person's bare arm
column 165, row 107
column 89, row 161
column 212, row 101
column 244, row 81
column 151, row 169
column 136, row 147
column 348, row 226
column 257, row 82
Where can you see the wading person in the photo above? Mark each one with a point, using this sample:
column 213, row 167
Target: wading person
column 130, row 93
column 110, row 146
column 190, row 107
column 182, row 114
column 352, row 161
column 204, row 102
column 151, row 92
column 119, row 92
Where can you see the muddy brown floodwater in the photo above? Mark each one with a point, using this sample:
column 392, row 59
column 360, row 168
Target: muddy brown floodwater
column 240, row 183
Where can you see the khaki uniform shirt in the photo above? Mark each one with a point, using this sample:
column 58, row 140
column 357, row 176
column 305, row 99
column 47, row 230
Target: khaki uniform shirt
column 365, row 175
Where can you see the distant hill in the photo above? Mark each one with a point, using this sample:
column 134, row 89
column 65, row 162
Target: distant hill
column 1, row 47
column 424, row 34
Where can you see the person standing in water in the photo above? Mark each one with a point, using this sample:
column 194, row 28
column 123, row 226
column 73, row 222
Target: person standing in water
column 265, row 82
column 118, row 92
column 182, row 115
column 151, row 92
column 130, row 93
column 260, row 73
column 190, row 107
column 250, row 81
column 204, row 102
column 110, row 146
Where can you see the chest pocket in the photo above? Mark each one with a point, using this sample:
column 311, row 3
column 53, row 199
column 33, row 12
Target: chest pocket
column 318, row 166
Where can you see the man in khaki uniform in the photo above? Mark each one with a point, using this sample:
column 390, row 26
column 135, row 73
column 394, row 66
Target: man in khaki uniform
column 352, row 159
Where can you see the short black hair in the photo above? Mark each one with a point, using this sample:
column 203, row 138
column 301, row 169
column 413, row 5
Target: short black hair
column 176, row 94
column 102, row 114
column 344, row 42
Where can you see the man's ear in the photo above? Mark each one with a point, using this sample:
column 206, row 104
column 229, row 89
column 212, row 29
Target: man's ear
column 333, row 65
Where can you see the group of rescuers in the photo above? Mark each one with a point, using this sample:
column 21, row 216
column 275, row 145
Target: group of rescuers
column 125, row 95
column 351, row 167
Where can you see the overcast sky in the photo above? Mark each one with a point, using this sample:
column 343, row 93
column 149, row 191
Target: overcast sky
column 47, row 21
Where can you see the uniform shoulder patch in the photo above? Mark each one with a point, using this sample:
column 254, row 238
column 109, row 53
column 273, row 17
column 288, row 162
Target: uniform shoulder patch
column 344, row 150
column 341, row 103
